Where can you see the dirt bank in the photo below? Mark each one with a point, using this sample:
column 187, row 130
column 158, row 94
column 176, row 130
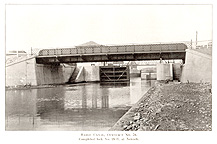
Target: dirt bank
column 170, row 107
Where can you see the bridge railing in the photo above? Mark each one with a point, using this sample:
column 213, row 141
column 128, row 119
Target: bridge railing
column 114, row 49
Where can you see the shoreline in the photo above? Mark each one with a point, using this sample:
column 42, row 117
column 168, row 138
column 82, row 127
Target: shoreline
column 170, row 107
column 29, row 87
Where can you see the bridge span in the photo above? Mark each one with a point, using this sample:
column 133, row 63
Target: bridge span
column 103, row 53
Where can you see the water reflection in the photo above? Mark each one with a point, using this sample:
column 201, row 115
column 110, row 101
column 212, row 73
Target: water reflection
column 89, row 106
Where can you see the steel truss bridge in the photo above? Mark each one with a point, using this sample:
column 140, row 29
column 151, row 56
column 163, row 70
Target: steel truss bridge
column 103, row 53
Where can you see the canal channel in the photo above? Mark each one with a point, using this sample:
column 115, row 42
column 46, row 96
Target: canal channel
column 74, row 107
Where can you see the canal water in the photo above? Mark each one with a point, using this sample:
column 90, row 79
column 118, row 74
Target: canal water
column 74, row 107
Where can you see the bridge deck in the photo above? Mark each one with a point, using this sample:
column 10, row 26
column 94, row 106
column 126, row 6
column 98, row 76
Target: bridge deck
column 112, row 53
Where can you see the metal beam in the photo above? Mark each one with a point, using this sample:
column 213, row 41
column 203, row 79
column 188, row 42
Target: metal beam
column 113, row 53
column 111, row 57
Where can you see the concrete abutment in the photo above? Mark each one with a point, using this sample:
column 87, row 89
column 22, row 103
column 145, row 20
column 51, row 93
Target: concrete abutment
column 197, row 68
column 27, row 72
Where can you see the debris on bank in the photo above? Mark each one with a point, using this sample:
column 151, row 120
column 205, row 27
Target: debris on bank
column 170, row 107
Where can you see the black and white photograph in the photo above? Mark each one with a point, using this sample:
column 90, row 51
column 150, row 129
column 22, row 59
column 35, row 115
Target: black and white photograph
column 99, row 68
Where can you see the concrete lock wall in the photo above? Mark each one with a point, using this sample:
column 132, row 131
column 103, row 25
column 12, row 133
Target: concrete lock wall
column 67, row 72
column 21, row 73
column 53, row 74
column 148, row 76
column 144, row 76
column 149, row 69
column 88, row 74
column 48, row 74
column 135, row 72
column 197, row 68
column 149, row 73
column 91, row 73
column 164, row 71
column 177, row 71
column 81, row 75
column 27, row 72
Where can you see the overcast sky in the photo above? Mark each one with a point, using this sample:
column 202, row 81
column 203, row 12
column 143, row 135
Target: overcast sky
column 52, row 26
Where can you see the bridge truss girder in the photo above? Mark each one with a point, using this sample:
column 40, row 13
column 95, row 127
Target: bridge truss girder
column 110, row 57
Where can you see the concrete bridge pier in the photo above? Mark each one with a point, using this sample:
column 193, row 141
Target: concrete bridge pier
column 197, row 67
column 164, row 71
column 169, row 71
